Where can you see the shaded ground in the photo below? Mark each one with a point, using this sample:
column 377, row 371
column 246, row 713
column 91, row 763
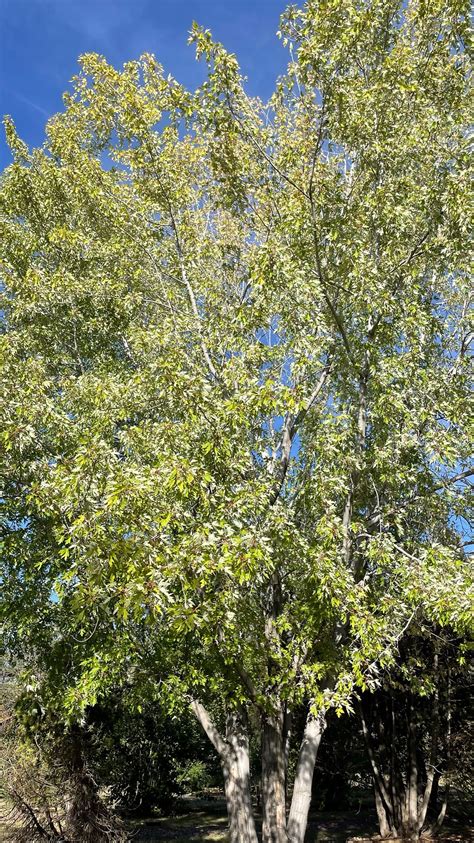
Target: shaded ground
column 206, row 823
column 203, row 828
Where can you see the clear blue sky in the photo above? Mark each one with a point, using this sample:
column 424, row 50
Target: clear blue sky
column 40, row 41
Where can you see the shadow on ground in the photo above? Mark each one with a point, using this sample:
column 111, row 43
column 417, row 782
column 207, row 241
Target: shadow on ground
column 205, row 822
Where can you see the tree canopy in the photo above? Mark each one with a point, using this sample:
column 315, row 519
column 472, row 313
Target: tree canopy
column 235, row 358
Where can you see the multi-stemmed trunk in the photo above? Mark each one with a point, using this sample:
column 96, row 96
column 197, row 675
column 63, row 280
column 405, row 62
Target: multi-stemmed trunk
column 404, row 782
column 233, row 751
column 396, row 795
column 276, row 826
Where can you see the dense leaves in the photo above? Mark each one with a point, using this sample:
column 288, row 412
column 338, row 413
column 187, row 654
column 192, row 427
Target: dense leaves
column 234, row 353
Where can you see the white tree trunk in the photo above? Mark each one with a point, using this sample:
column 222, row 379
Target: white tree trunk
column 301, row 799
column 237, row 783
column 273, row 780
column 233, row 753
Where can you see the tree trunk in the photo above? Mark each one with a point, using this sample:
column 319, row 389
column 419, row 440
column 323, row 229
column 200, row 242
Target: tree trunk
column 287, row 733
column 236, row 771
column 410, row 825
column 384, row 787
column 442, row 814
column 396, row 782
column 383, row 819
column 273, row 780
column 301, row 799
column 233, row 753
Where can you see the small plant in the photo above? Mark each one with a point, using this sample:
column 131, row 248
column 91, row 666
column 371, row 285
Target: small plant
column 195, row 777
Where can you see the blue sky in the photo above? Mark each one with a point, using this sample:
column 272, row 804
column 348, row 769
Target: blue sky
column 40, row 41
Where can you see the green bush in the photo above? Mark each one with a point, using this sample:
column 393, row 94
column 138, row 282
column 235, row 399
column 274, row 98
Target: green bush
column 195, row 777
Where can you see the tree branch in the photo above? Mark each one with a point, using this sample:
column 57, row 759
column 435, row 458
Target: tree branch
column 204, row 719
column 463, row 475
column 290, row 430
column 191, row 295
column 322, row 281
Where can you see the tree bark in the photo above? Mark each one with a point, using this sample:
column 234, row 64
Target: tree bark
column 431, row 771
column 237, row 782
column 273, row 780
column 301, row 799
column 233, row 753
column 382, row 816
column 287, row 732
column 442, row 814
column 384, row 790
column 410, row 826
column 396, row 782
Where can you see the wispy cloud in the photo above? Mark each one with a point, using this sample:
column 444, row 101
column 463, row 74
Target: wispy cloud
column 30, row 103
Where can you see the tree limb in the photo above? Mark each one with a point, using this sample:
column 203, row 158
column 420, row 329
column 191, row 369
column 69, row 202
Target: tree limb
column 192, row 297
column 204, row 719
column 290, row 430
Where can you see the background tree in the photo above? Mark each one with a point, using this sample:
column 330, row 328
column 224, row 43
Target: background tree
column 76, row 781
column 408, row 727
column 234, row 352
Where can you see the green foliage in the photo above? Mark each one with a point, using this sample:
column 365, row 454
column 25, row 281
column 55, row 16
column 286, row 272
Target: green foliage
column 146, row 759
column 118, row 761
column 195, row 777
column 234, row 355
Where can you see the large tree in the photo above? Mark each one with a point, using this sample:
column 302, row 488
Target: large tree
column 235, row 355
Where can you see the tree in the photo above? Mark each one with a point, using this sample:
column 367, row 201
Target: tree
column 48, row 788
column 408, row 727
column 72, row 782
column 237, row 336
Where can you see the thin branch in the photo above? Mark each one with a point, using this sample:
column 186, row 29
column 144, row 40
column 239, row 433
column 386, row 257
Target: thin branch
column 191, row 295
column 463, row 475
column 263, row 152
column 322, row 282
column 290, row 430
column 405, row 553
column 249, row 686
column 203, row 717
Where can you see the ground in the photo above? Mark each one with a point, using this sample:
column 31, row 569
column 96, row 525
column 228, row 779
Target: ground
column 205, row 822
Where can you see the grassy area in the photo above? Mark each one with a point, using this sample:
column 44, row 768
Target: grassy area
column 195, row 827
